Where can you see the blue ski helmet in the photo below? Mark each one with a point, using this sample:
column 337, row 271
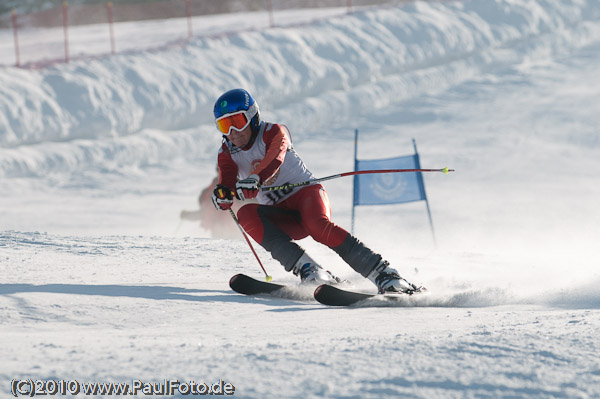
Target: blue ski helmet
column 235, row 101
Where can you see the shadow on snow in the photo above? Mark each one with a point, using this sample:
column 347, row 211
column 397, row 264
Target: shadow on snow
column 133, row 291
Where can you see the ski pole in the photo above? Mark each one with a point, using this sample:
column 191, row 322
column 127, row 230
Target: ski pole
column 358, row 172
column 235, row 219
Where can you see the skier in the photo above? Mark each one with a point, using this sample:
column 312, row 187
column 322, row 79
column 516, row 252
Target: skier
column 254, row 154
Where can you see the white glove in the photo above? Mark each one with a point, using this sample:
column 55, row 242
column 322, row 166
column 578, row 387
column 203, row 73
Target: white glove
column 248, row 187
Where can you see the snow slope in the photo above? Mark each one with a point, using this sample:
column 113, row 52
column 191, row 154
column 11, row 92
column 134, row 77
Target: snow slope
column 102, row 282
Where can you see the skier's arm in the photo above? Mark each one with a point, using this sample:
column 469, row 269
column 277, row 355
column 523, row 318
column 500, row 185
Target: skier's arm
column 228, row 169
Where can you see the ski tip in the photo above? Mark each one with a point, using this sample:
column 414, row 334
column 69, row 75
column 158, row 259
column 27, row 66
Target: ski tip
column 318, row 289
column 234, row 278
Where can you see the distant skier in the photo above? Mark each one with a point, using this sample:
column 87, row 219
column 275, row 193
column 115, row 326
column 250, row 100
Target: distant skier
column 255, row 153
column 214, row 223
column 218, row 225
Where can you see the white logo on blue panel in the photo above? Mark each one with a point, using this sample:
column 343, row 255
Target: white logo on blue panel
column 388, row 186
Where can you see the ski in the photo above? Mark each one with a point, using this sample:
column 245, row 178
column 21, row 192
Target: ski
column 333, row 296
column 249, row 286
column 325, row 294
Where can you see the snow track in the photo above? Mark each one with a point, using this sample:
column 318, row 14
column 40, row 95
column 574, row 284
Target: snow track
column 121, row 308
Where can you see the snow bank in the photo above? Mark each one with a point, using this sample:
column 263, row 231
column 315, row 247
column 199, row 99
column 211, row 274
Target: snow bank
column 297, row 72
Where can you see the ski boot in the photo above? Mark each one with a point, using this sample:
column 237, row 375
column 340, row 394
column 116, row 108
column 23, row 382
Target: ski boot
column 389, row 281
column 311, row 273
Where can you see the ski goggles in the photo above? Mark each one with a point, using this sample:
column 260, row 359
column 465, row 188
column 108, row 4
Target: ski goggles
column 237, row 120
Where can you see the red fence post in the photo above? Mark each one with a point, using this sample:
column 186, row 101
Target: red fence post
column 13, row 17
column 65, row 13
column 270, row 7
column 188, row 13
column 111, row 32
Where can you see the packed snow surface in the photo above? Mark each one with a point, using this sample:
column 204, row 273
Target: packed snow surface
column 103, row 282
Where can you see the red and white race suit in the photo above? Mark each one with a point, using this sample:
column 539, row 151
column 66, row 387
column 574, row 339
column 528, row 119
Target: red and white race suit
column 283, row 216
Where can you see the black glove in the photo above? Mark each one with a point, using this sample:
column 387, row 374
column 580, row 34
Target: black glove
column 222, row 197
